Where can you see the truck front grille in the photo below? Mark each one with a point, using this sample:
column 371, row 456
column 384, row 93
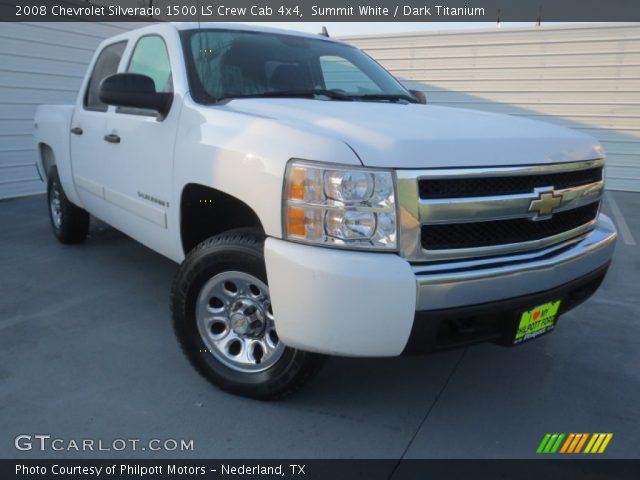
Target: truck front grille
column 478, row 187
column 470, row 213
column 502, row 232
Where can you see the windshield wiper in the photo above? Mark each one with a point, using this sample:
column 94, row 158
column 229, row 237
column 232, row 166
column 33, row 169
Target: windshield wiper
column 316, row 92
column 392, row 97
column 291, row 94
column 319, row 92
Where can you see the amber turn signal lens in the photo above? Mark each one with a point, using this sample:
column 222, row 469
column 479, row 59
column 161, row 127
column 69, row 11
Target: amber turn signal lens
column 296, row 183
column 295, row 221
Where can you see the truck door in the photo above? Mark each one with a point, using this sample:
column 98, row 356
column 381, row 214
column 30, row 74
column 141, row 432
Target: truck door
column 88, row 127
column 139, row 154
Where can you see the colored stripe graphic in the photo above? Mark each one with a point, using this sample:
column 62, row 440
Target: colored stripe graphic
column 568, row 442
column 550, row 443
column 598, row 443
column 605, row 443
column 591, row 442
column 573, row 443
column 581, row 443
column 544, row 441
column 556, row 446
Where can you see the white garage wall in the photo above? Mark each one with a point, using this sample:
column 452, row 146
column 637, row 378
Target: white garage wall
column 585, row 77
column 39, row 63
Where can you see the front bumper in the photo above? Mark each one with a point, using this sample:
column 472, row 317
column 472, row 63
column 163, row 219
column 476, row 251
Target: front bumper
column 368, row 304
column 494, row 321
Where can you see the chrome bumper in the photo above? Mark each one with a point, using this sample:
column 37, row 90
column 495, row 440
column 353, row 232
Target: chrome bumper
column 454, row 284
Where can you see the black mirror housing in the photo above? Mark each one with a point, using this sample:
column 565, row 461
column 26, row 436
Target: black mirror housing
column 134, row 90
column 418, row 95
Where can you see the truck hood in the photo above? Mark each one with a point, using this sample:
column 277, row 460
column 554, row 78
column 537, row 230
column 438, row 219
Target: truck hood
column 426, row 136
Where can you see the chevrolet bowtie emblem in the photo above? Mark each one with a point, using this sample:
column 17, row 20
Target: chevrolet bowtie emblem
column 545, row 204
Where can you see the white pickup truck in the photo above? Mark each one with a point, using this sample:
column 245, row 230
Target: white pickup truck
column 316, row 206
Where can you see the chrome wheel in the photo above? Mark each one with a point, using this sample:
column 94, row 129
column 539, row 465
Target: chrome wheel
column 235, row 322
column 55, row 206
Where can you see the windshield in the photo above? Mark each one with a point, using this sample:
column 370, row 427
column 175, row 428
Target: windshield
column 225, row 64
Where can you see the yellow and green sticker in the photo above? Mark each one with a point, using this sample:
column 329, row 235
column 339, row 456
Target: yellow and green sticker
column 537, row 321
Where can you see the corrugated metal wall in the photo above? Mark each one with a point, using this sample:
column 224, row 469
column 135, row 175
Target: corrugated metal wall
column 585, row 77
column 39, row 63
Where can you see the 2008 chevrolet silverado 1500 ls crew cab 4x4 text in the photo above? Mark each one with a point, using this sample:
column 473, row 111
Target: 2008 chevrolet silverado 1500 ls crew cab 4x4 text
column 316, row 206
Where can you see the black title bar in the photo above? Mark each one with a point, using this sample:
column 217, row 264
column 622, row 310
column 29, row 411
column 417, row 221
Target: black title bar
column 322, row 10
column 534, row 469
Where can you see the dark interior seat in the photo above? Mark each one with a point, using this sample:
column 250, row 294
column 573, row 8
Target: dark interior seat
column 290, row 77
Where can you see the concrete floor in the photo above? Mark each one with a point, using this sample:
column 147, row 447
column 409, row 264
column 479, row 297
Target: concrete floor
column 87, row 351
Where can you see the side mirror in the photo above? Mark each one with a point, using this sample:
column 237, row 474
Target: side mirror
column 134, row 90
column 418, row 95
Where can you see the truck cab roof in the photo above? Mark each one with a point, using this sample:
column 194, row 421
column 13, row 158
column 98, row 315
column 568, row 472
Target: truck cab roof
column 182, row 26
column 247, row 28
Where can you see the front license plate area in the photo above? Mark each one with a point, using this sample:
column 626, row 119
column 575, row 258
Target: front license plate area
column 537, row 321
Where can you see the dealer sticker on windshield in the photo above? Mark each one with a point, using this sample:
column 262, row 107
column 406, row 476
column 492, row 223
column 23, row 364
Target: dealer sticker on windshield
column 537, row 321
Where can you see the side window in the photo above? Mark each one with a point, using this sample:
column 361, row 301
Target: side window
column 106, row 64
column 340, row 74
column 150, row 58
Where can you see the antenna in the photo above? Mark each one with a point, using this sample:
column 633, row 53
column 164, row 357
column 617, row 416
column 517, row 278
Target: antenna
column 199, row 26
column 324, row 32
column 199, row 31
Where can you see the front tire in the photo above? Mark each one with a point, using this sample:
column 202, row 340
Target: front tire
column 69, row 222
column 224, row 322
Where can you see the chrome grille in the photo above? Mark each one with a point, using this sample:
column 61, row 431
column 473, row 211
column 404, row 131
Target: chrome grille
column 448, row 214
column 509, row 185
column 500, row 232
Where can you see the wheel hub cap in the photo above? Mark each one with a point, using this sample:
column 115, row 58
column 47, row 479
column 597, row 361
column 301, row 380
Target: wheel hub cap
column 248, row 318
column 235, row 321
column 55, row 206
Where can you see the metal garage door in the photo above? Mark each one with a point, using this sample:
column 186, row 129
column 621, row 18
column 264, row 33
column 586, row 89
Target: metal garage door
column 39, row 63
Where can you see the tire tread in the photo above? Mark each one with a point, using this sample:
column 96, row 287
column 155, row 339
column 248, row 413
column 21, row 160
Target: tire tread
column 253, row 241
column 75, row 220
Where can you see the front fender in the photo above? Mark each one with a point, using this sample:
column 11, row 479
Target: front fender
column 245, row 156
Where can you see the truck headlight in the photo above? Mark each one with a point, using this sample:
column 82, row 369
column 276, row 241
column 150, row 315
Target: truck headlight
column 345, row 207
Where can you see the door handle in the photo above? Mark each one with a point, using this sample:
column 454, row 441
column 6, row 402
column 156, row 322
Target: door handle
column 76, row 131
column 112, row 138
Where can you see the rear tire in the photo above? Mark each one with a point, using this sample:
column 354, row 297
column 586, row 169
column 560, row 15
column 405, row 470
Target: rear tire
column 69, row 222
column 223, row 320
